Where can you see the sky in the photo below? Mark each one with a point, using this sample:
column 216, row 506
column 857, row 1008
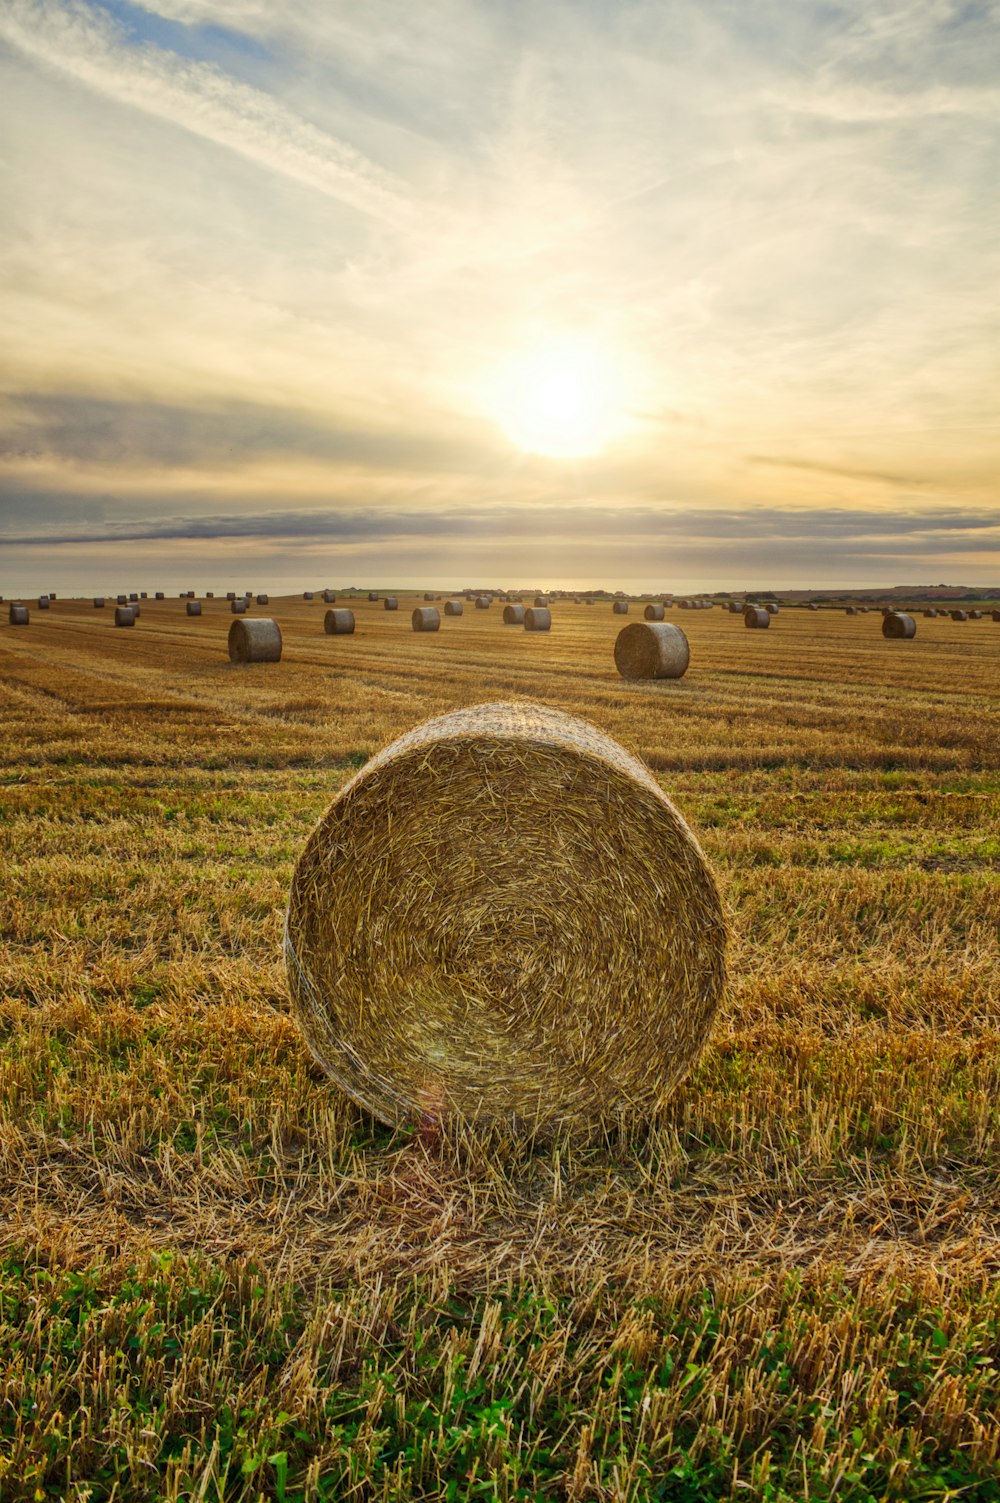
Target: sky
column 679, row 294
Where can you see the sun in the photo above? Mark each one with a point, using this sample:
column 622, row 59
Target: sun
column 560, row 398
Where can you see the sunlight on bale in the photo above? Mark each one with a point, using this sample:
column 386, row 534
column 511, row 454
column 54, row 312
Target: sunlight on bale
column 255, row 641
column 652, row 649
column 503, row 917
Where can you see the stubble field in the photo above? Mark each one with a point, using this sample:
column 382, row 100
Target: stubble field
column 221, row 1280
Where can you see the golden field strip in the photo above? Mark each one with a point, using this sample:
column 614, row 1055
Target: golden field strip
column 220, row 1280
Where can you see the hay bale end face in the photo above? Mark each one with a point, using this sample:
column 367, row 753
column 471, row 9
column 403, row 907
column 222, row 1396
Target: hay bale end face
column 390, row 603
column 255, row 641
column 124, row 615
column 898, row 625
column 563, row 1004
column 453, row 607
column 513, row 615
column 654, row 612
column 339, row 623
column 756, row 617
column 620, row 608
column 538, row 618
column 426, row 618
column 193, row 607
column 18, row 615
column 652, row 649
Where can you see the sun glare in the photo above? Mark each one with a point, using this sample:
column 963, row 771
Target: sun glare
column 561, row 399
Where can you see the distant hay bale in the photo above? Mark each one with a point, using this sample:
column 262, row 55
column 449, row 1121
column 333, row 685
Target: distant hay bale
column 230, row 595
column 237, row 606
column 756, row 617
column 958, row 615
column 513, row 615
column 209, row 594
column 121, row 600
column 483, row 602
column 431, row 988
column 339, row 623
column 426, row 618
column 652, row 649
column 898, row 624
column 390, row 603
column 98, row 602
column 143, row 594
column 588, row 600
column 255, row 641
column 538, row 618
column 620, row 608
column 654, row 612
column 930, row 613
column 996, row 615
column 43, row 602
column 124, row 615
column 541, row 601
column 734, row 608
column 263, row 600
column 133, row 597
column 428, row 595
column 373, row 595
column 307, row 594
column 18, row 615
column 812, row 606
column 851, row 610
column 53, row 595
column 193, row 607
column 771, row 608
column 158, row 595
column 975, row 615
column 329, row 597
column 453, row 607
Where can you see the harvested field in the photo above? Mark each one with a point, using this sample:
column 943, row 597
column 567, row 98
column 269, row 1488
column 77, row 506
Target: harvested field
column 220, row 1279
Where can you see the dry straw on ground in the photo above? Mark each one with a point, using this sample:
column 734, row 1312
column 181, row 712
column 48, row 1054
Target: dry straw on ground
column 652, row 649
column 538, row 618
column 426, row 618
column 502, row 917
column 898, row 625
column 256, row 641
column 339, row 623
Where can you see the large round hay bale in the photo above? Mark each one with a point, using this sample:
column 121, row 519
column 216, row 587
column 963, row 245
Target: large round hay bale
column 958, row 615
column 374, row 595
column 538, row 618
column 390, row 603
column 620, row 608
column 652, row 649
column 124, row 615
column 98, row 602
column 230, row 595
column 255, row 641
column 18, row 615
column 562, row 975
column 193, row 607
column 339, row 623
column 513, row 615
column 654, row 612
column 453, row 607
column 237, row 606
column 426, row 618
column 898, row 625
column 755, row 616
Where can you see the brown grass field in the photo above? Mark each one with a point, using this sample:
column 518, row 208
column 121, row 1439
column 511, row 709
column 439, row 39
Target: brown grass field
column 219, row 1280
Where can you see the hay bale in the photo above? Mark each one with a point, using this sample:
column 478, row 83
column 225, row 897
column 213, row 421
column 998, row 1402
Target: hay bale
column 237, row 607
column 158, row 595
column 453, row 607
column 373, row 595
column 98, row 602
column 771, row 608
column 652, row 649
column 43, row 602
column 538, row 618
column 541, row 601
column 898, row 625
column 756, row 617
column 307, row 594
column 193, row 607
column 426, row 618
column 428, row 595
column 209, row 594
column 620, row 608
column 734, row 608
column 339, row 623
column 329, row 598
column 996, row 615
column 53, row 595
column 143, row 594
column 483, row 602
column 654, row 612
column 975, row 615
column 812, row 606
column 124, row 615
column 230, row 595
column 851, row 610
column 391, row 603
column 263, row 600
column 18, row 615
column 588, row 601
column 513, row 615
column 958, row 615
column 930, row 614
column 133, row 598
column 255, row 641
column 432, row 988
column 121, row 600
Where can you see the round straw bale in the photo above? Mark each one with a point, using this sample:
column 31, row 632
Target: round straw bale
column 620, row 608
column 373, row 595
column 98, row 602
column 18, row 615
column 390, row 603
column 958, row 615
column 307, row 594
column 428, row 595
column 513, row 615
column 538, row 618
column 121, row 600
column 898, row 624
column 53, row 595
column 124, row 615
column 975, row 615
column 654, row 612
column 652, row 649
column 429, row 987
column 541, row 601
column 756, row 616
column 734, row 608
column 453, row 607
column 483, row 602
column 209, row 594
column 143, row 594
column 812, row 606
column 339, row 623
column 230, row 594
column 263, row 600
column 588, row 600
column 426, row 618
column 158, row 595
column 193, row 607
column 133, row 597
column 329, row 597
column 43, row 602
column 136, row 610
column 852, row 610
column 996, row 615
column 255, row 641
column 771, row 608
column 931, row 612
column 237, row 607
